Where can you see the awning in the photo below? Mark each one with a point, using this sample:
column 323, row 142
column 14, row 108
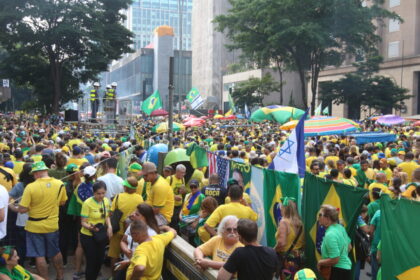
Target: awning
column 372, row 137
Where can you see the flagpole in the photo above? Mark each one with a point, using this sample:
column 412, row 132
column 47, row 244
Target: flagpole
column 170, row 97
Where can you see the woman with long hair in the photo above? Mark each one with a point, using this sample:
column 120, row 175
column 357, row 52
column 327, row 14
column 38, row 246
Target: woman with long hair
column 290, row 238
column 335, row 247
column 10, row 268
column 16, row 193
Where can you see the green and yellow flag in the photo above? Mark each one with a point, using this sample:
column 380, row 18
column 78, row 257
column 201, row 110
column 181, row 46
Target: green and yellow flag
column 318, row 191
column 198, row 156
column 400, row 247
column 232, row 108
column 153, row 102
column 276, row 186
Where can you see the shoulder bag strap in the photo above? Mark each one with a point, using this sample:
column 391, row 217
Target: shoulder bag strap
column 103, row 205
column 294, row 241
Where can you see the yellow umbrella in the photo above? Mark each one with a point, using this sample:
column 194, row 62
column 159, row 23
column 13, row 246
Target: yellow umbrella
column 289, row 125
column 163, row 127
column 218, row 116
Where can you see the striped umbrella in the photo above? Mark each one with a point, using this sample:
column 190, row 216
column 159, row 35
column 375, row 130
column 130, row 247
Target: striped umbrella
column 280, row 114
column 163, row 127
column 318, row 126
column 390, row 120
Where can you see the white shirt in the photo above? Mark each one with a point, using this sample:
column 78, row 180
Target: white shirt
column 133, row 245
column 4, row 204
column 113, row 184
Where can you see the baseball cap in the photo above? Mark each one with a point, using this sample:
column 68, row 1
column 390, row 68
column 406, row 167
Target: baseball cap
column 128, row 185
column 89, row 170
column 72, row 167
column 381, row 155
column 194, row 182
column 134, row 167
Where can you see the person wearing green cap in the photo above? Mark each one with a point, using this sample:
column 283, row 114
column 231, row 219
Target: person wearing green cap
column 305, row 274
column 41, row 200
column 126, row 202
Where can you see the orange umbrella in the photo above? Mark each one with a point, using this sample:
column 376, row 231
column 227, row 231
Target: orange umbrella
column 289, row 125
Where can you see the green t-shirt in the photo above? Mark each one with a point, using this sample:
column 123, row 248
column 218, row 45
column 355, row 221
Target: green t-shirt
column 376, row 222
column 379, row 274
column 335, row 244
column 372, row 208
column 17, row 273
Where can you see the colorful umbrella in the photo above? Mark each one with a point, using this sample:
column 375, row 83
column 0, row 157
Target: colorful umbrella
column 289, row 125
column 176, row 155
column 318, row 126
column 194, row 122
column 390, row 120
column 230, row 117
column 280, row 114
column 158, row 113
column 163, row 127
column 218, row 116
column 417, row 123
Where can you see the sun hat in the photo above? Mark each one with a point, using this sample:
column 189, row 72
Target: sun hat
column 128, row 185
column 89, row 170
column 39, row 166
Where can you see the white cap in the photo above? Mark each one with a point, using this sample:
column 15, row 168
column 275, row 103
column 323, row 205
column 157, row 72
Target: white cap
column 108, row 86
column 114, row 84
column 96, row 84
column 89, row 170
column 126, row 144
column 252, row 154
column 41, row 130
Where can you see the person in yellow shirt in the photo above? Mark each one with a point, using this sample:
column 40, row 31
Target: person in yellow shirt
column 332, row 156
column 95, row 216
column 412, row 186
column 78, row 157
column 125, row 202
column 219, row 247
column 37, row 156
column 384, row 168
column 41, row 200
column 75, row 141
column 161, row 196
column 147, row 260
column 177, row 183
column 379, row 184
column 18, row 162
column 8, row 177
column 312, row 156
column 408, row 166
column 233, row 208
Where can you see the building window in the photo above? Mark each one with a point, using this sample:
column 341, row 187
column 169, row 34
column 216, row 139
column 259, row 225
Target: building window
column 394, row 25
column 394, row 3
column 394, row 49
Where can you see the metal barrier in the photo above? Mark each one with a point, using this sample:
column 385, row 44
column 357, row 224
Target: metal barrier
column 179, row 263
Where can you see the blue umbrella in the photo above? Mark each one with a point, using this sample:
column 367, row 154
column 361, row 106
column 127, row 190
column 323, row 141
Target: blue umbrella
column 153, row 152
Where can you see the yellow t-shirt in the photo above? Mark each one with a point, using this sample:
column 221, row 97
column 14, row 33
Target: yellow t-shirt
column 18, row 167
column 43, row 198
column 215, row 248
column 176, row 184
column 213, row 148
column 233, row 208
column 309, row 160
column 126, row 203
column 245, row 197
column 73, row 142
column 203, row 234
column 379, row 186
column 161, row 196
column 4, row 182
column 36, row 158
column 408, row 167
column 150, row 255
column 77, row 161
column 94, row 212
column 140, row 188
column 333, row 158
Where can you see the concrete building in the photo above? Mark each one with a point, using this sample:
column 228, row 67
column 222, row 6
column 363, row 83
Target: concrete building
column 210, row 57
column 141, row 73
column 400, row 48
column 143, row 16
column 291, row 86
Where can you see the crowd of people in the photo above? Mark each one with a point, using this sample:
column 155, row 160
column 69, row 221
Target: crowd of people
column 61, row 194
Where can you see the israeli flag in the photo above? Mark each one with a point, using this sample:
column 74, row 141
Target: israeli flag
column 291, row 157
column 247, row 112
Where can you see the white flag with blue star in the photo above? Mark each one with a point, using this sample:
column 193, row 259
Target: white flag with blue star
column 291, row 157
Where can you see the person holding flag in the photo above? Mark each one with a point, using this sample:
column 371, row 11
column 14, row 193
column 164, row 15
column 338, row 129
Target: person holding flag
column 152, row 103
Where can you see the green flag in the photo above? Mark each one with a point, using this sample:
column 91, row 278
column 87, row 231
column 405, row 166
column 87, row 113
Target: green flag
column 318, row 110
column 231, row 104
column 277, row 185
column 400, row 248
column 198, row 156
column 326, row 111
column 153, row 102
column 318, row 191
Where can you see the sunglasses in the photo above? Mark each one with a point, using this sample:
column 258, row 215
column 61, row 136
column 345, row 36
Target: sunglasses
column 231, row 229
column 193, row 187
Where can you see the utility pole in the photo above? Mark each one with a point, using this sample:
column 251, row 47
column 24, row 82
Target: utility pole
column 171, row 101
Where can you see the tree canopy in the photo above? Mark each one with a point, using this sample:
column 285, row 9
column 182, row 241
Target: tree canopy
column 55, row 45
column 252, row 91
column 305, row 35
column 365, row 88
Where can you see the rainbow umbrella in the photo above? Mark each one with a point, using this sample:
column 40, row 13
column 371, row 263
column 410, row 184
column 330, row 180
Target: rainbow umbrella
column 318, row 126
column 280, row 114
column 289, row 125
column 163, row 127
column 390, row 120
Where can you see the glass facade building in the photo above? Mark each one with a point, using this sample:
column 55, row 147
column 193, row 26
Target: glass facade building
column 144, row 16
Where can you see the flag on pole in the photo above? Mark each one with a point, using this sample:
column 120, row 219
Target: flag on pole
column 326, row 111
column 195, row 98
column 291, row 157
column 152, row 103
column 231, row 104
column 247, row 112
column 318, row 109
column 228, row 113
column 198, row 156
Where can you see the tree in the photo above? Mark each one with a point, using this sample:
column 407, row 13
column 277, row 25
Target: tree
column 303, row 35
column 253, row 90
column 364, row 88
column 55, row 45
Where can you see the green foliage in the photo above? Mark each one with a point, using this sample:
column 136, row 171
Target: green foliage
column 56, row 45
column 306, row 35
column 252, row 92
column 364, row 88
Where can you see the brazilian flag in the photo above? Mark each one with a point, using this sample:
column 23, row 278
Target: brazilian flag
column 400, row 247
column 318, row 191
column 277, row 185
column 198, row 156
column 152, row 103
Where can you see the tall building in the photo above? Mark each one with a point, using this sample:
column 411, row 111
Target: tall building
column 143, row 16
column 400, row 48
